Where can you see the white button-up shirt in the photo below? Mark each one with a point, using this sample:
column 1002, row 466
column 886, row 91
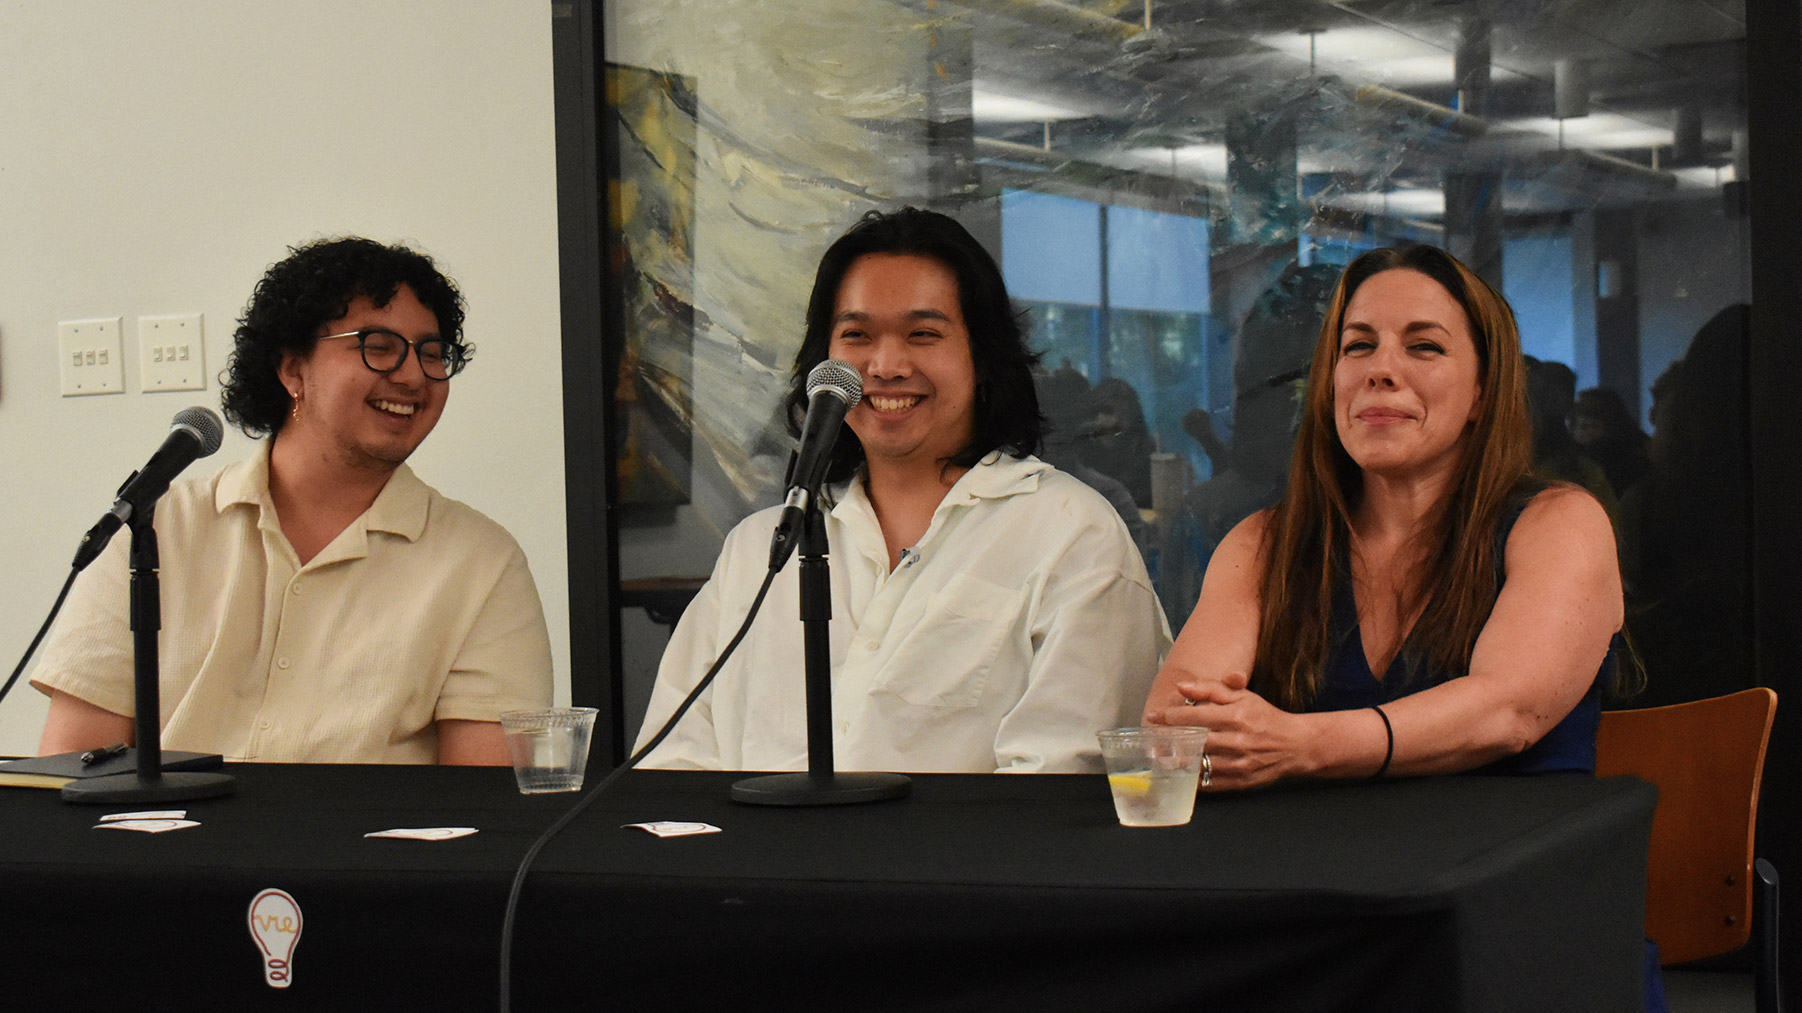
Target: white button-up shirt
column 1021, row 623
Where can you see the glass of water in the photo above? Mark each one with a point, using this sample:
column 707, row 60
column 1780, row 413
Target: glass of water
column 549, row 747
column 1153, row 773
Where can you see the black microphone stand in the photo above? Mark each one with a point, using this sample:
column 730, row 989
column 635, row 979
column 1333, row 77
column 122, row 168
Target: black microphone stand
column 150, row 783
column 820, row 785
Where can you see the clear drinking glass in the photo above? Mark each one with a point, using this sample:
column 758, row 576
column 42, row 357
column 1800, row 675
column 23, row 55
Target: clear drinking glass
column 549, row 747
column 1153, row 773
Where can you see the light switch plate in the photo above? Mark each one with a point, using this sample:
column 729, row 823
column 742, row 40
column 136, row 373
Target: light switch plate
column 91, row 363
column 170, row 354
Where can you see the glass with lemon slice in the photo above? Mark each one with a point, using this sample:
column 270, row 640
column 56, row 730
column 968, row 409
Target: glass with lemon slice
column 1153, row 773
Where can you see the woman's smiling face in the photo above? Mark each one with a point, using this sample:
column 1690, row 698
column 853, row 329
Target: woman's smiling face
column 1406, row 384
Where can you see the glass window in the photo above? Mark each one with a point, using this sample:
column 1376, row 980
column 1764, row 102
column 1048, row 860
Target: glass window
column 1051, row 248
column 1172, row 189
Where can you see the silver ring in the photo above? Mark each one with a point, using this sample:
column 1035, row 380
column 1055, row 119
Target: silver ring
column 1207, row 770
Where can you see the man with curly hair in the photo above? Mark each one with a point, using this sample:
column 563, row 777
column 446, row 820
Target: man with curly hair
column 320, row 602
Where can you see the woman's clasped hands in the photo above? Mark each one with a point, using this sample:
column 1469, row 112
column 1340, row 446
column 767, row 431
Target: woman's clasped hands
column 1250, row 741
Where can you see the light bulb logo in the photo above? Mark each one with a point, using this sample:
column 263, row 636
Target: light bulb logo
column 275, row 925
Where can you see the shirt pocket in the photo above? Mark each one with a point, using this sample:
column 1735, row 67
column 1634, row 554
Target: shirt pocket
column 947, row 656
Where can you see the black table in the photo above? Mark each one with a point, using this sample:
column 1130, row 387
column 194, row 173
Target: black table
column 979, row 892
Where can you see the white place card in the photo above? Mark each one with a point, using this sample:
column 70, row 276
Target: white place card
column 424, row 833
column 670, row 828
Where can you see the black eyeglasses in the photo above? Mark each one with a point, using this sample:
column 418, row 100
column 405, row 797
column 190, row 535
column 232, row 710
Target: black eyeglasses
column 384, row 351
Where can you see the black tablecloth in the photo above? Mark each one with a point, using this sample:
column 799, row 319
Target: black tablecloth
column 977, row 892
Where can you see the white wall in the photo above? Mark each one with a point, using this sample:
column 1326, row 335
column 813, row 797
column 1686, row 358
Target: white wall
column 156, row 156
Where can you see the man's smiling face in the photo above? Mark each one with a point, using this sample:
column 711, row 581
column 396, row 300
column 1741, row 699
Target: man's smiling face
column 352, row 413
column 899, row 321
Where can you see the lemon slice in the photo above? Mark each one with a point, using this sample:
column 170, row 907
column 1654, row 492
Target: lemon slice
column 1131, row 785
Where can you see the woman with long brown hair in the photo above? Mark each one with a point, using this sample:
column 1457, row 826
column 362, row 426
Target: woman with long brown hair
column 1417, row 603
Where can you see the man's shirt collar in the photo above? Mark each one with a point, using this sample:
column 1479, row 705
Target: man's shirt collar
column 400, row 509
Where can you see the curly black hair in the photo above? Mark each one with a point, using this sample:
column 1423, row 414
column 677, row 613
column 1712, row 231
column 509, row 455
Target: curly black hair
column 1007, row 404
column 299, row 294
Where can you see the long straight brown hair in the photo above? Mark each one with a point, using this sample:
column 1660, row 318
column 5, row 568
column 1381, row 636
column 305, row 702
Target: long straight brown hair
column 1306, row 543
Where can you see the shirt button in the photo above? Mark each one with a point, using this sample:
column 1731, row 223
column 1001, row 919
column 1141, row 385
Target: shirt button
column 871, row 645
column 295, row 587
column 264, row 724
column 281, row 663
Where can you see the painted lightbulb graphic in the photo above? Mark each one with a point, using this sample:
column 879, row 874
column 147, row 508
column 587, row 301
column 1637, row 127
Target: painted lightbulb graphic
column 275, row 925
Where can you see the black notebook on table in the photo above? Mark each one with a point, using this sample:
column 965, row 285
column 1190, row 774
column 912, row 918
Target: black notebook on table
column 58, row 770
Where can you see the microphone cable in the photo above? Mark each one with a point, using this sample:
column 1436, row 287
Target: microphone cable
column 519, row 876
column 35, row 641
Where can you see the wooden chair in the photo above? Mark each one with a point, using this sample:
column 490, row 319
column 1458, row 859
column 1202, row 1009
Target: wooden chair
column 1706, row 894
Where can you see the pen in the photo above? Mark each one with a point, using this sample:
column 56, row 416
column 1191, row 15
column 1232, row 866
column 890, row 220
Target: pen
column 94, row 756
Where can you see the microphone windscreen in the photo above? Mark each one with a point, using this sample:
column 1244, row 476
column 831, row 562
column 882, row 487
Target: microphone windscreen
column 839, row 377
column 204, row 423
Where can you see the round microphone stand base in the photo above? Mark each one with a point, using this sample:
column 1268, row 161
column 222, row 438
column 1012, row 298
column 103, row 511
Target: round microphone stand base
column 168, row 787
column 820, row 789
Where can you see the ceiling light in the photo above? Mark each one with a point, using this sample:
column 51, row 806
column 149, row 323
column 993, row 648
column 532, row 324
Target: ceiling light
column 1376, row 54
column 1404, row 201
column 1202, row 161
column 1597, row 130
column 1373, row 53
column 1703, row 177
column 993, row 107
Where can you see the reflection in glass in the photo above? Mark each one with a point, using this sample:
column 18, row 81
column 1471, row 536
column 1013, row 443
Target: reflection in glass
column 1171, row 189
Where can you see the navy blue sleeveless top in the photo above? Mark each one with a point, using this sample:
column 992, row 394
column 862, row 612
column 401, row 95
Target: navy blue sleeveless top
column 1570, row 746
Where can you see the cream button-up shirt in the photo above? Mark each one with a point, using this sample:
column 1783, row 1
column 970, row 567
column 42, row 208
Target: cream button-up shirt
column 421, row 610
column 1021, row 623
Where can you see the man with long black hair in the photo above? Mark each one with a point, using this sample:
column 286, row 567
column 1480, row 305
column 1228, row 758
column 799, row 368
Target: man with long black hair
column 989, row 612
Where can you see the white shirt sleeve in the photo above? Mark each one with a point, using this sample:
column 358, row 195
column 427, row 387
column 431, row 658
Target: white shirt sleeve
column 694, row 644
column 1098, row 640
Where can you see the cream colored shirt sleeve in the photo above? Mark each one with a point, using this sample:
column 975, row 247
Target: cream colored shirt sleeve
column 504, row 662
column 89, row 651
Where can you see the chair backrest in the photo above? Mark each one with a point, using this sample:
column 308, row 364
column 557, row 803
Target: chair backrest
column 1707, row 758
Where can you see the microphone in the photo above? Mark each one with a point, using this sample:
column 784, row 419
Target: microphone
column 834, row 387
column 194, row 433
